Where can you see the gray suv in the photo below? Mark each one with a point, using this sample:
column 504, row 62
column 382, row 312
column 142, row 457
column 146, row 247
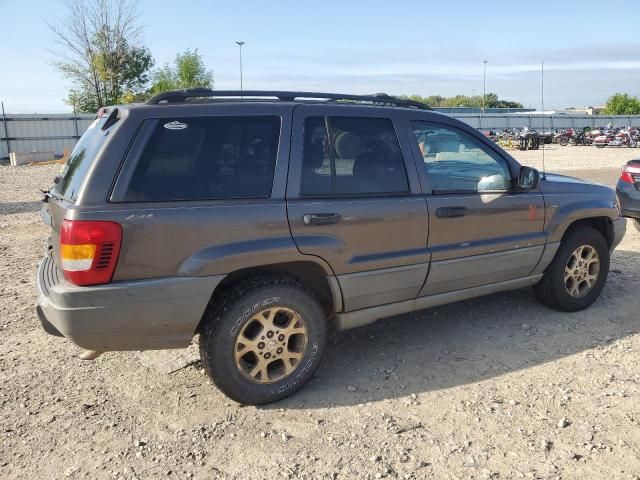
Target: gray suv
column 259, row 220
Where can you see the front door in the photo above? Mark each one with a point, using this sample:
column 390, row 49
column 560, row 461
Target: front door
column 481, row 230
column 354, row 199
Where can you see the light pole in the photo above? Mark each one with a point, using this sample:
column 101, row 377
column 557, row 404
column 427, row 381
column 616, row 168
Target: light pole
column 240, row 44
column 484, row 84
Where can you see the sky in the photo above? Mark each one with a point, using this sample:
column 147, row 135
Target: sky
column 398, row 47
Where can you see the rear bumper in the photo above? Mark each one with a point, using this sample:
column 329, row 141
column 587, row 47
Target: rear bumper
column 619, row 229
column 629, row 198
column 133, row 315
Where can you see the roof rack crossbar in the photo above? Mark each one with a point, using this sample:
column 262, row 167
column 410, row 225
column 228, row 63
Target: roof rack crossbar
column 180, row 96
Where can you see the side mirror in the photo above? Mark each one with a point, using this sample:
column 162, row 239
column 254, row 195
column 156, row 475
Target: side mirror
column 528, row 179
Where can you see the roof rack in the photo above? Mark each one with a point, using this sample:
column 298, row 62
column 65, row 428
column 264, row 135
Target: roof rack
column 180, row 96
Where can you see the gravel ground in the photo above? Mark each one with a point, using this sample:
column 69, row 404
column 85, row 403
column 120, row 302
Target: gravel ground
column 497, row 387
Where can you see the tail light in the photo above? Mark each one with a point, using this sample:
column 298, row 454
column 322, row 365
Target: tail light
column 89, row 251
column 630, row 174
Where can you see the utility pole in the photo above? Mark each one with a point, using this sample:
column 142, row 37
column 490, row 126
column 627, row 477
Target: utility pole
column 75, row 120
column 542, row 86
column 484, row 85
column 6, row 130
column 240, row 44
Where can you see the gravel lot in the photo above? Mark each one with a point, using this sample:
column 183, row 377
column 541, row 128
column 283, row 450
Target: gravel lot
column 497, row 387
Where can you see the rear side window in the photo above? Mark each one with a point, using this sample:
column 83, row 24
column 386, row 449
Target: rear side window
column 81, row 159
column 351, row 156
column 207, row 158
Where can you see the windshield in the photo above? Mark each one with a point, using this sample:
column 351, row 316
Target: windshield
column 80, row 160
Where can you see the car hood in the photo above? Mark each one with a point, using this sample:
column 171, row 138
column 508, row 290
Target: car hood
column 554, row 183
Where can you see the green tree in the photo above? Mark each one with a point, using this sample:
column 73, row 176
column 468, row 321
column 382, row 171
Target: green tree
column 101, row 54
column 121, row 68
column 491, row 100
column 623, row 104
column 188, row 71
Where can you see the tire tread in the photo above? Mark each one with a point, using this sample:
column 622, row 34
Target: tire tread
column 545, row 290
column 217, row 311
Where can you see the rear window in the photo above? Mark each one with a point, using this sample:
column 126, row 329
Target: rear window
column 352, row 156
column 81, row 159
column 207, row 158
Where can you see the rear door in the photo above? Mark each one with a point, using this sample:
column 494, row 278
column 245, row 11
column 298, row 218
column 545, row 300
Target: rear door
column 353, row 199
column 64, row 193
column 482, row 230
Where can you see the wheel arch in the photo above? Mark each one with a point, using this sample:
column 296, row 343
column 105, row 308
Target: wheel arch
column 566, row 212
column 604, row 225
column 310, row 274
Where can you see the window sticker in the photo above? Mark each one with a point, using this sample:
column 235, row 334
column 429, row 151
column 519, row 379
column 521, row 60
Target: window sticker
column 175, row 125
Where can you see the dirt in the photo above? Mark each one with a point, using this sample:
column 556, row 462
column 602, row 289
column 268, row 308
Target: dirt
column 497, row 387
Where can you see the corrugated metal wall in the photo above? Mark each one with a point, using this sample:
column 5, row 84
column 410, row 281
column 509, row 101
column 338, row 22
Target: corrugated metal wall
column 58, row 132
column 543, row 122
column 42, row 132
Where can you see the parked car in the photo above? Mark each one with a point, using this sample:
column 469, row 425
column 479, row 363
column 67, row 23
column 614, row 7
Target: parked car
column 259, row 220
column 628, row 190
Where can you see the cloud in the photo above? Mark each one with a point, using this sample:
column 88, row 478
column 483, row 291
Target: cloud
column 580, row 76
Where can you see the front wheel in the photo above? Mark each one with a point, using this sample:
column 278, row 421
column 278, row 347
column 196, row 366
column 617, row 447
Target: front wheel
column 264, row 342
column 563, row 141
column 578, row 272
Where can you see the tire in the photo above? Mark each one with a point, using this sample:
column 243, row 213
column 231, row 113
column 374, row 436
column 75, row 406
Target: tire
column 563, row 141
column 553, row 290
column 600, row 145
column 240, row 316
column 636, row 223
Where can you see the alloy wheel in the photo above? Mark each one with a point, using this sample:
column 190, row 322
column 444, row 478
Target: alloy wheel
column 271, row 344
column 582, row 270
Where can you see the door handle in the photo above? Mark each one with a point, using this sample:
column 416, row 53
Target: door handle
column 321, row 218
column 451, row 212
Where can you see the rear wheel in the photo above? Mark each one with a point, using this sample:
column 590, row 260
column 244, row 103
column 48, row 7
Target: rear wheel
column 264, row 342
column 600, row 145
column 577, row 273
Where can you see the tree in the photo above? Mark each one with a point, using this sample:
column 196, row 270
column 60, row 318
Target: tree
column 491, row 100
column 623, row 104
column 188, row 71
column 101, row 54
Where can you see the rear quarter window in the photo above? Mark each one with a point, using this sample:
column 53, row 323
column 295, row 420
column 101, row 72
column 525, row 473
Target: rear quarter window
column 206, row 158
column 82, row 157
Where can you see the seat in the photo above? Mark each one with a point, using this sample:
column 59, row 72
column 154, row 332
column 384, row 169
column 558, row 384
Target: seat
column 374, row 172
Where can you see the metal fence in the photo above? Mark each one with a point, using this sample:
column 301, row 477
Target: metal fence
column 543, row 122
column 59, row 132
column 41, row 133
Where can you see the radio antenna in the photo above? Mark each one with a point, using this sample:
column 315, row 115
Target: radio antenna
column 543, row 115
